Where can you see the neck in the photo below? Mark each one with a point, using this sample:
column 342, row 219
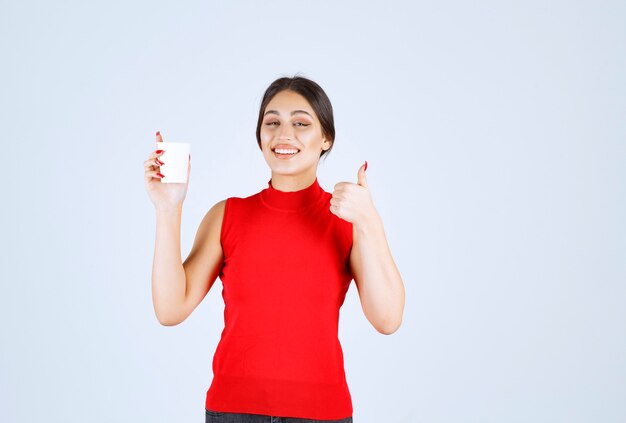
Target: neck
column 292, row 201
column 288, row 183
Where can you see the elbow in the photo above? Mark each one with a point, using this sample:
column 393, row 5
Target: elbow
column 387, row 323
column 169, row 315
column 389, row 328
column 167, row 321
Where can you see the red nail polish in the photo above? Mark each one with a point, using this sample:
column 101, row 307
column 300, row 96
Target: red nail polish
column 365, row 165
column 159, row 151
column 158, row 133
column 160, row 175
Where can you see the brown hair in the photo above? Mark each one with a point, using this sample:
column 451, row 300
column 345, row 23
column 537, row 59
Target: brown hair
column 313, row 93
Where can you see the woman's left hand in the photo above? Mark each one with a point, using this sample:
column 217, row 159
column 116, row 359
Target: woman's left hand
column 353, row 202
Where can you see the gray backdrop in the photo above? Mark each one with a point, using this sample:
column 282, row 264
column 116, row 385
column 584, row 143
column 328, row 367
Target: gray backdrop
column 495, row 137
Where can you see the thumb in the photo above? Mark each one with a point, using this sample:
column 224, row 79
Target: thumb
column 361, row 175
column 188, row 169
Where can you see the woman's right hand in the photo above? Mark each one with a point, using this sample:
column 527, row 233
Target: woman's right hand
column 165, row 197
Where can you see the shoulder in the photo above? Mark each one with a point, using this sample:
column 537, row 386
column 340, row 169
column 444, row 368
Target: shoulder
column 218, row 208
column 213, row 218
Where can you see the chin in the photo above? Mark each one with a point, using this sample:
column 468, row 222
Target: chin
column 281, row 171
column 282, row 167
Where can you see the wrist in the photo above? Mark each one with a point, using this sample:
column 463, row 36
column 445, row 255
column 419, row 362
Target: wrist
column 368, row 222
column 170, row 211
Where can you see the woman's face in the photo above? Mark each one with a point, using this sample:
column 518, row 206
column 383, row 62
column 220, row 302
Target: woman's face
column 289, row 125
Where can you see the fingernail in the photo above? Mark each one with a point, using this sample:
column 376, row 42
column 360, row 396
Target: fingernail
column 365, row 165
column 160, row 151
column 160, row 175
column 158, row 133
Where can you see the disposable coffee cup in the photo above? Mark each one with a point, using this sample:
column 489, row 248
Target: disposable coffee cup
column 175, row 161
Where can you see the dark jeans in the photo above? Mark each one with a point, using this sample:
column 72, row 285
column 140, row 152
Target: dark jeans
column 223, row 417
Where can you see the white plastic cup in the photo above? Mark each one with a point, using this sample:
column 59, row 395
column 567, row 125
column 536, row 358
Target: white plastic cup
column 175, row 161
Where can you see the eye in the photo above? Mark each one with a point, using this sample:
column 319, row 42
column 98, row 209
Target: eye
column 271, row 123
column 301, row 124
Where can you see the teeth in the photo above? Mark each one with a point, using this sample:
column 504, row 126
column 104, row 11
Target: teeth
column 285, row 151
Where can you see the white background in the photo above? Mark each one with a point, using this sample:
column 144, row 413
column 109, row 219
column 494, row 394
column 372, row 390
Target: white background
column 495, row 137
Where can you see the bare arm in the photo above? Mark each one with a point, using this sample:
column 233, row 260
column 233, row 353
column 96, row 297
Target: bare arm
column 377, row 278
column 168, row 274
column 178, row 288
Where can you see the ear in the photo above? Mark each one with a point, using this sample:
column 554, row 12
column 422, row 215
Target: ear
column 327, row 144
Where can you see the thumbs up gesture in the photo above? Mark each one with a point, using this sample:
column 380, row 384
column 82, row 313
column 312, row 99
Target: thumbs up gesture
column 353, row 202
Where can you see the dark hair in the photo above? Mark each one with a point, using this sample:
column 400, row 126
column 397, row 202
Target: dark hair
column 313, row 93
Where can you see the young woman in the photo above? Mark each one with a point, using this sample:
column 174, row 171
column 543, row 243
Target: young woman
column 286, row 257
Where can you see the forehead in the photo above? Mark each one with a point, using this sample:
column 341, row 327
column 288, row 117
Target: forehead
column 287, row 101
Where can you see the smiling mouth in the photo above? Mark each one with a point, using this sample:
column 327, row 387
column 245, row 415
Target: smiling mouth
column 283, row 153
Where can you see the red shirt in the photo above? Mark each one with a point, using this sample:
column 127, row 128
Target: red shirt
column 285, row 276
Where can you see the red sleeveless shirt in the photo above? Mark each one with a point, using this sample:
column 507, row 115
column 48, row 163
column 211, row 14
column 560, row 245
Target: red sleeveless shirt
column 285, row 276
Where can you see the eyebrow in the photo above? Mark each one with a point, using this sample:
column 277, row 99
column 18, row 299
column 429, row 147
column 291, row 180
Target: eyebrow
column 274, row 112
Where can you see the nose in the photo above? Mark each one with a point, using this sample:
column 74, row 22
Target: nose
column 285, row 132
